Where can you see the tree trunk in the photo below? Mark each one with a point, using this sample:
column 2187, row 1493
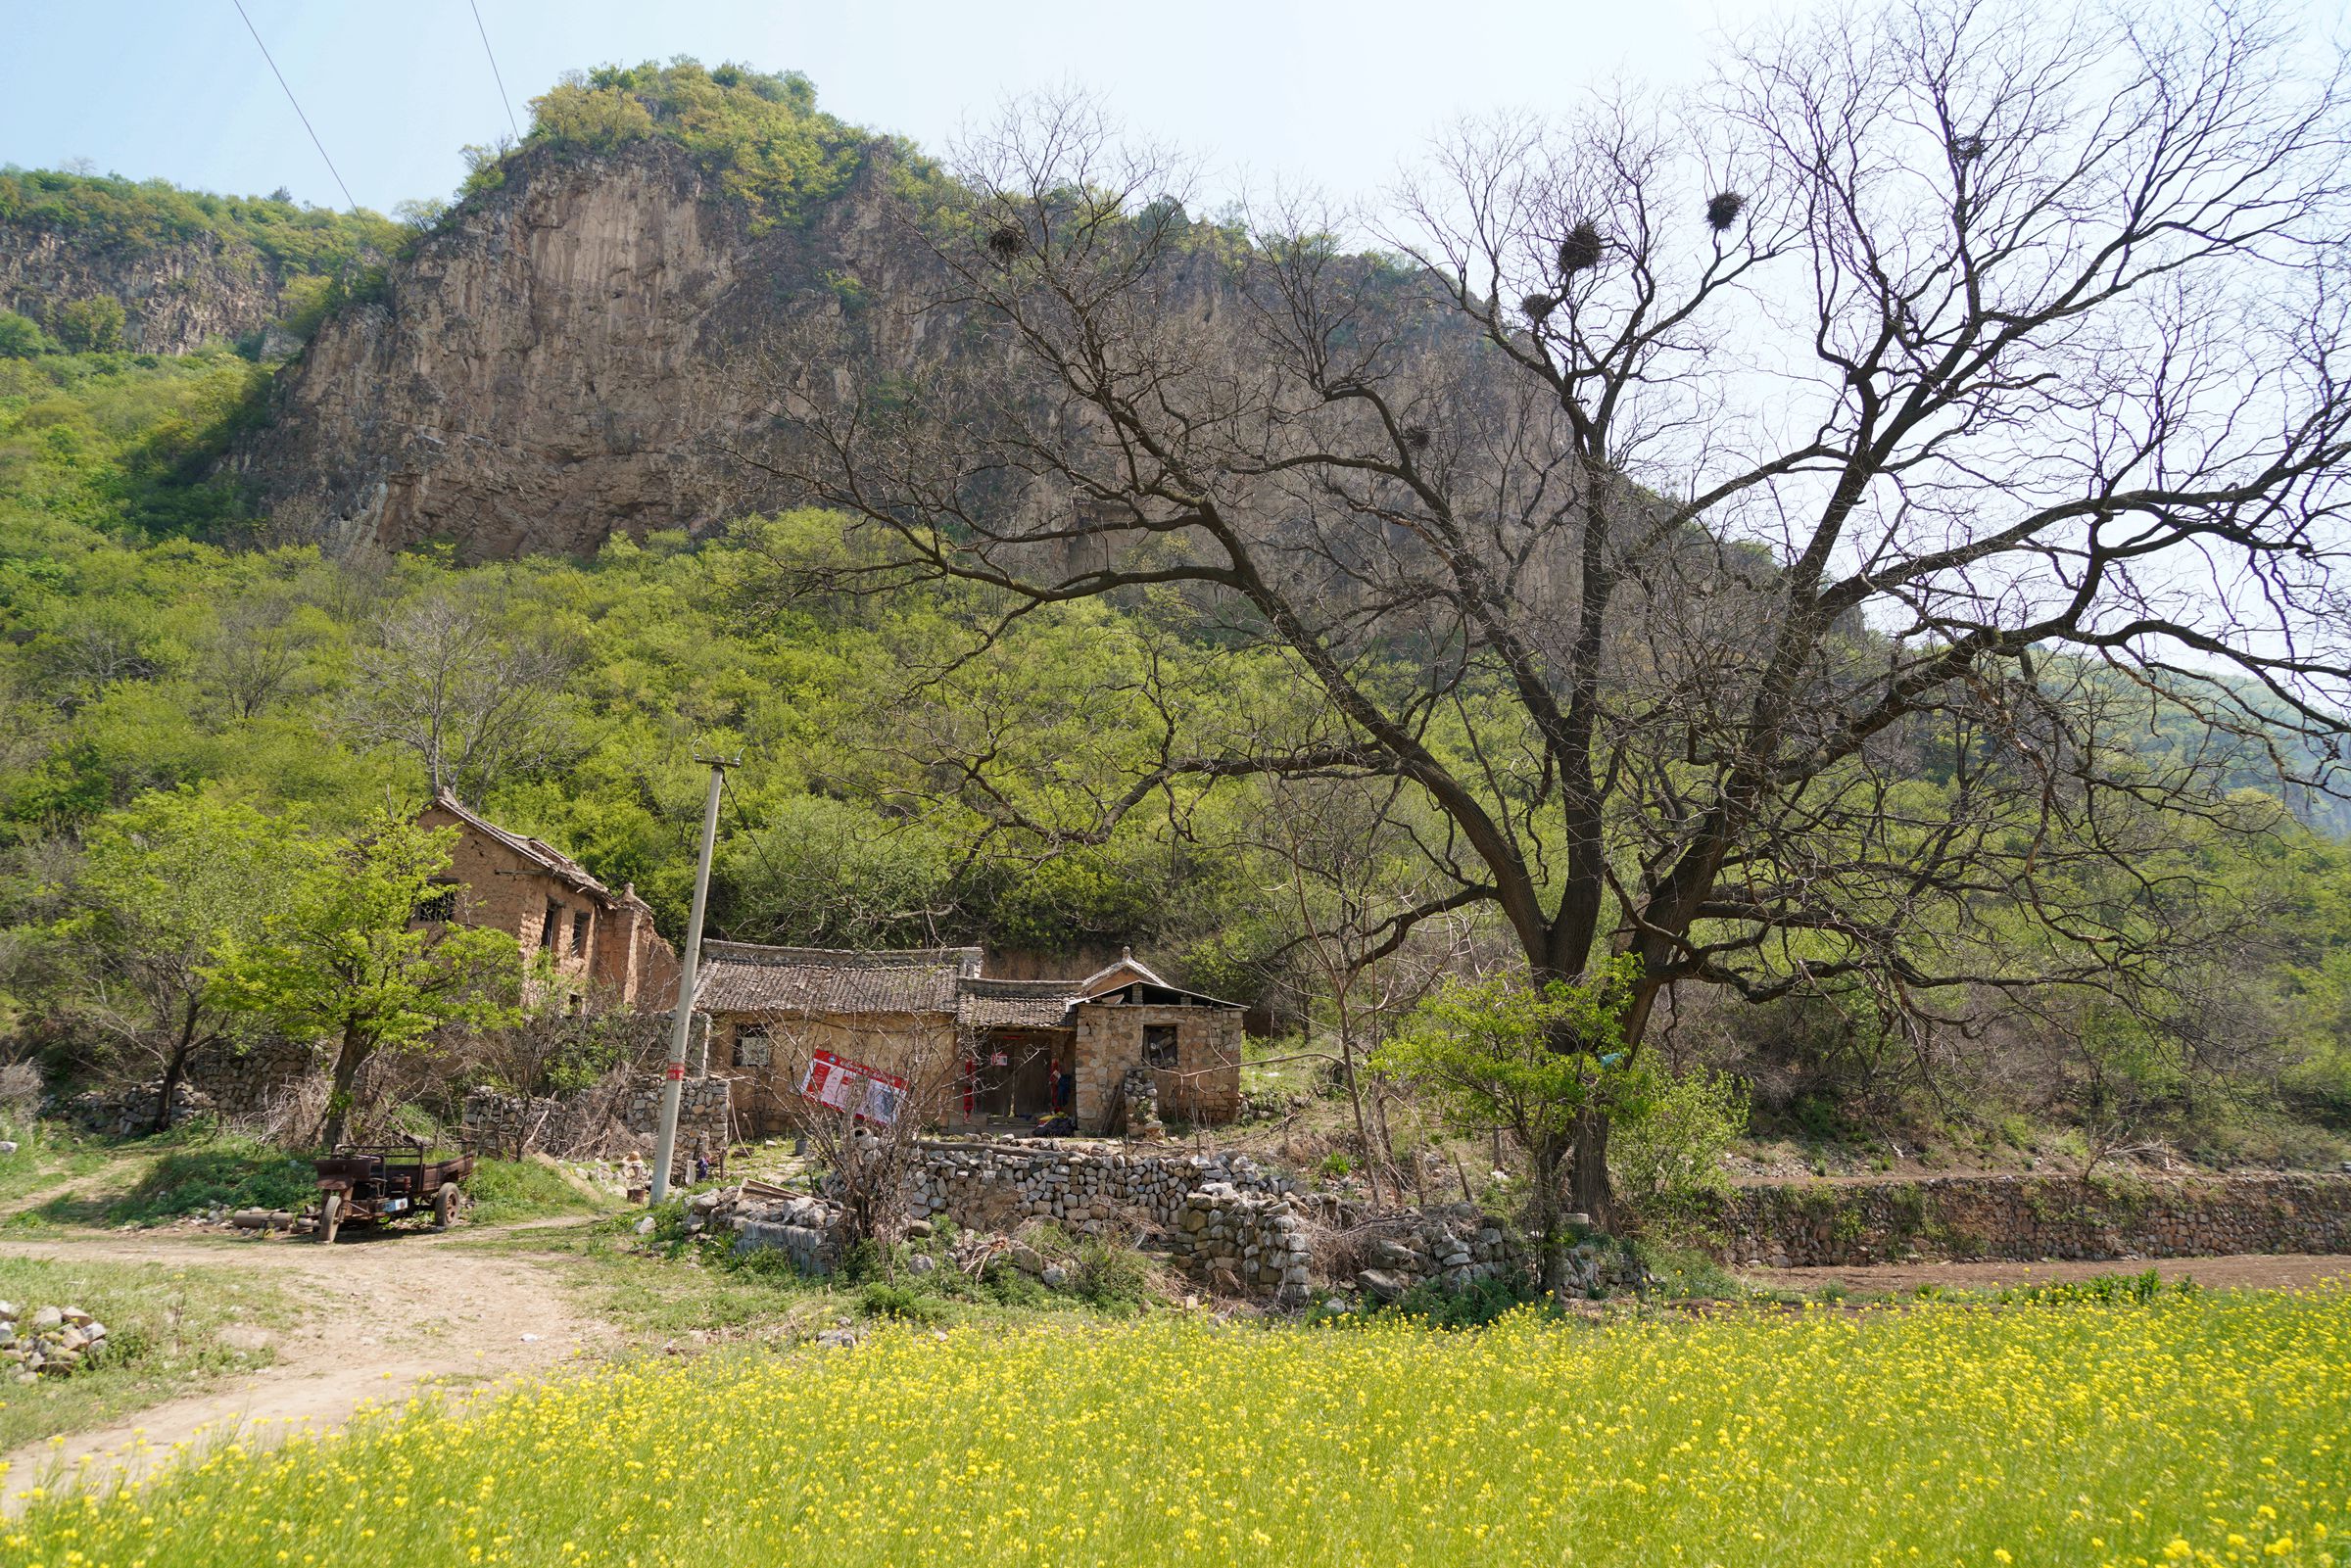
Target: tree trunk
column 1355, row 1099
column 1545, row 1157
column 348, row 1058
column 175, row 1068
column 1589, row 1190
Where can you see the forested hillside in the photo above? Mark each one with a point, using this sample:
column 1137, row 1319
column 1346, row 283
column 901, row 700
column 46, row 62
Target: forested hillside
column 92, row 263
column 171, row 629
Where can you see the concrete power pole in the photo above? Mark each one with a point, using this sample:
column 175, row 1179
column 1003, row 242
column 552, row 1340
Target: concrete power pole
column 673, row 1088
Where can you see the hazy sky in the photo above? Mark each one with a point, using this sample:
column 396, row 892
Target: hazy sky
column 1328, row 92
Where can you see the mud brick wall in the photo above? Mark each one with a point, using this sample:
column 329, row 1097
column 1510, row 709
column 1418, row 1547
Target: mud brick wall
column 1807, row 1224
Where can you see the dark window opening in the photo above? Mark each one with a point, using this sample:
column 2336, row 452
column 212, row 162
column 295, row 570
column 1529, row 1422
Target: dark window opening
column 579, row 934
column 1159, row 1045
column 438, row 906
column 548, row 925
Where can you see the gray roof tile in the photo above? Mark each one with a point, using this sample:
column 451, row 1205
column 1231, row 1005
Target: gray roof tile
column 746, row 978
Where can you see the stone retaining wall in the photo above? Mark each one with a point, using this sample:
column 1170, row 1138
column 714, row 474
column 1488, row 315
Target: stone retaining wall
column 1806, row 1224
column 1087, row 1187
column 1252, row 1242
column 516, row 1124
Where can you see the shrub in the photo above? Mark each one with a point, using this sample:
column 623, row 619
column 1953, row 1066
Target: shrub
column 90, row 326
column 21, row 336
column 1668, row 1160
column 1110, row 1278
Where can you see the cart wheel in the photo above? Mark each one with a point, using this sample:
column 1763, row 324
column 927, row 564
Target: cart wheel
column 330, row 1216
column 445, row 1204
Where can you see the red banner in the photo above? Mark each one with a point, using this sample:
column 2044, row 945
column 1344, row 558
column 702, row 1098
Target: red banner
column 843, row 1085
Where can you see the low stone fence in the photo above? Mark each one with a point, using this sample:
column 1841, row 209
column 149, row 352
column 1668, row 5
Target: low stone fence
column 1088, row 1188
column 623, row 1109
column 1806, row 1224
column 129, row 1111
column 1256, row 1243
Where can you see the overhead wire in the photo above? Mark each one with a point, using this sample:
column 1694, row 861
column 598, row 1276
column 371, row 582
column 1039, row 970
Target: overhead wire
column 506, row 101
column 296, row 103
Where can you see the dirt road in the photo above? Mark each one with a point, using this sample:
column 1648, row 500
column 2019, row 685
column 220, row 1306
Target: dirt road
column 389, row 1312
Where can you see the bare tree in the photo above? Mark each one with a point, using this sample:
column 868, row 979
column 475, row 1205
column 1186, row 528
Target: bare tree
column 255, row 652
column 1353, row 883
column 1755, row 523
column 450, row 681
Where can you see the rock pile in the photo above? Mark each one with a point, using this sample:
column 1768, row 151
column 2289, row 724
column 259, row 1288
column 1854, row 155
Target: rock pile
column 805, row 1229
column 48, row 1341
column 1140, row 1090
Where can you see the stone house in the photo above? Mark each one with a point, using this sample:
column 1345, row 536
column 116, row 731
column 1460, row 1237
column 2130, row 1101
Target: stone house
column 600, row 946
column 978, row 1052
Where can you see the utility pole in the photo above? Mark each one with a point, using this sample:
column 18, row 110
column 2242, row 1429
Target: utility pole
column 673, row 1088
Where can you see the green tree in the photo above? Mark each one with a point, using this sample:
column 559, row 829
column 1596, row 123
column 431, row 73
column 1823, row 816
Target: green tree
column 91, row 325
column 1487, row 1053
column 21, row 336
column 346, row 957
column 165, row 885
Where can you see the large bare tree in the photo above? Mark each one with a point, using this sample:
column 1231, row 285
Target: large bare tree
column 1759, row 522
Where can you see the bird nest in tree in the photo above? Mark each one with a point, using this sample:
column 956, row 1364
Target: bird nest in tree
column 1723, row 210
column 1538, row 305
column 1580, row 250
column 1006, row 241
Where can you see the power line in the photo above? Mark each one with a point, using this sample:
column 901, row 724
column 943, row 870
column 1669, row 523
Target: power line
column 291, row 99
column 505, row 101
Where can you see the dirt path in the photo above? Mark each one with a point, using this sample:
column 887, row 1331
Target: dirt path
column 387, row 1313
column 2260, row 1271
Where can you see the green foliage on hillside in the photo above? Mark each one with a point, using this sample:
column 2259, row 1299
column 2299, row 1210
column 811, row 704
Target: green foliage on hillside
column 760, row 136
column 155, row 640
column 140, row 216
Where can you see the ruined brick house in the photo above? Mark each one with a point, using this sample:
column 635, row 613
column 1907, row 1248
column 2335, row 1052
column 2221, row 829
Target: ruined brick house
column 601, row 946
column 978, row 1052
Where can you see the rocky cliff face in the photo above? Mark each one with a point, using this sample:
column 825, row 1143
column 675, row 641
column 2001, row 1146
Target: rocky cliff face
column 558, row 364
column 174, row 296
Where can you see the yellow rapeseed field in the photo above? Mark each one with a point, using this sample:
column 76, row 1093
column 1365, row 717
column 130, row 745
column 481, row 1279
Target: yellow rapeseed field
column 2190, row 1430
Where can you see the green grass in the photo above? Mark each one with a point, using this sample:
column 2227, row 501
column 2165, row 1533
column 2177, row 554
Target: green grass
column 47, row 1154
column 2205, row 1429
column 502, row 1190
column 184, row 1173
column 169, row 1330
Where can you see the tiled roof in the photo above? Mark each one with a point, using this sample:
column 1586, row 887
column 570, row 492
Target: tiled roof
column 538, row 851
column 1015, row 1004
column 1117, row 977
column 744, row 977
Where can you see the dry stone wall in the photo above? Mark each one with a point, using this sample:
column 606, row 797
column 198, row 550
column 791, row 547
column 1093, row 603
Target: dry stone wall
column 2023, row 1217
column 630, row 1106
column 1088, row 1188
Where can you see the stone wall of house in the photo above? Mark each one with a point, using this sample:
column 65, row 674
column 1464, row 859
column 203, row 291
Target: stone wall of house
column 995, row 1185
column 1205, row 1084
column 1812, row 1223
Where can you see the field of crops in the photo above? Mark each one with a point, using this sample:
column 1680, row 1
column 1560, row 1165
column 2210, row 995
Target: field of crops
column 2204, row 1429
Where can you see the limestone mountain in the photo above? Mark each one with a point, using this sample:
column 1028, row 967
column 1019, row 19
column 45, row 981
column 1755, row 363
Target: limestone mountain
column 106, row 262
column 555, row 363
